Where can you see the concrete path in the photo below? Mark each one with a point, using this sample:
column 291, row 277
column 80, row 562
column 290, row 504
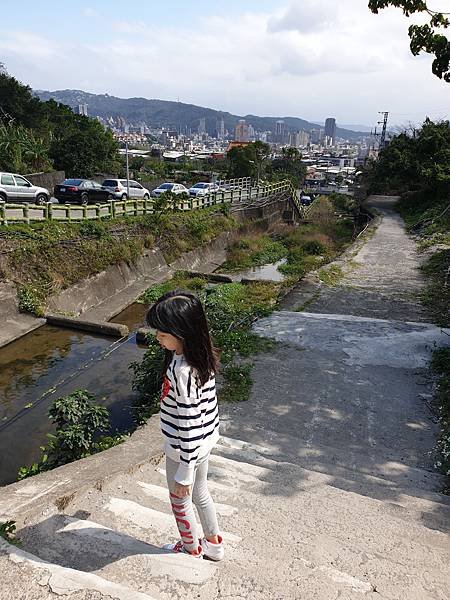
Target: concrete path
column 324, row 482
column 381, row 275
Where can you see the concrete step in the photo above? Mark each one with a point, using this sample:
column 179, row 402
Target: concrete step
column 118, row 554
column 251, row 464
column 58, row 579
column 354, row 470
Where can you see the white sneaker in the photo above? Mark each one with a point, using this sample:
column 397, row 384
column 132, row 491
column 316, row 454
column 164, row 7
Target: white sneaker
column 213, row 551
column 178, row 548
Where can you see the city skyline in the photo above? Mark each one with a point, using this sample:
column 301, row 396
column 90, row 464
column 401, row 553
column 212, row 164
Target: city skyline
column 307, row 59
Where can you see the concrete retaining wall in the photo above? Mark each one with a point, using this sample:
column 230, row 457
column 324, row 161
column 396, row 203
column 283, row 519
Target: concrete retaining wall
column 92, row 291
column 104, row 288
column 13, row 323
column 101, row 297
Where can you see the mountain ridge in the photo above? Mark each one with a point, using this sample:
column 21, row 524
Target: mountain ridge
column 179, row 115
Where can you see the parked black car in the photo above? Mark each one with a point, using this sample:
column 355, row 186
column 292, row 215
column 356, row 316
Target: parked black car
column 81, row 191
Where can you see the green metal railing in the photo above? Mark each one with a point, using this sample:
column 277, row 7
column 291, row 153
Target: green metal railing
column 240, row 196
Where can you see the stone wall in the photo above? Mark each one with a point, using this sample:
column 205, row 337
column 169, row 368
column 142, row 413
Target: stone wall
column 47, row 180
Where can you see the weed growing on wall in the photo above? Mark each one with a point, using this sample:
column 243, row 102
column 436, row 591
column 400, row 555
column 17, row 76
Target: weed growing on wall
column 8, row 532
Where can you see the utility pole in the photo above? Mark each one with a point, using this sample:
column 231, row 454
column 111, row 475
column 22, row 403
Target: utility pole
column 383, row 131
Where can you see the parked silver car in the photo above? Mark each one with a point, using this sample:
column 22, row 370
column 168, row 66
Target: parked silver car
column 15, row 188
column 203, row 189
column 175, row 188
column 118, row 189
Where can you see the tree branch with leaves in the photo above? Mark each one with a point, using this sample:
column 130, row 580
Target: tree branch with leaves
column 424, row 38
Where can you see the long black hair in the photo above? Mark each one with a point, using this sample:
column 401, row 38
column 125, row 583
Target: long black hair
column 182, row 315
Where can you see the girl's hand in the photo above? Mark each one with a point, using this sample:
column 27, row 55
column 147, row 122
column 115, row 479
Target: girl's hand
column 182, row 490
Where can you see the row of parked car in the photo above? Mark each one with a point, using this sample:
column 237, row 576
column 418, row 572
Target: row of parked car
column 16, row 188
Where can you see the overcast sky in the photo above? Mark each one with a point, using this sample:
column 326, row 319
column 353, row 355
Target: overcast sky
column 305, row 58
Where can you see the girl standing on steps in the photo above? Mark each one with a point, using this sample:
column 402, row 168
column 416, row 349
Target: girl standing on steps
column 189, row 418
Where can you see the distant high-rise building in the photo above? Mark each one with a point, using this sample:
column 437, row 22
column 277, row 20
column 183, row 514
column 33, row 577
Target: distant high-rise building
column 316, row 135
column 241, row 131
column 330, row 129
column 281, row 135
column 299, row 139
column 251, row 132
column 221, row 129
column 83, row 109
column 202, row 126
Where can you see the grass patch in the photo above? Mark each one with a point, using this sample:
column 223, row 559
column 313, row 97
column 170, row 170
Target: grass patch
column 427, row 216
column 238, row 383
column 304, row 248
column 436, row 294
column 253, row 250
column 440, row 364
column 331, row 276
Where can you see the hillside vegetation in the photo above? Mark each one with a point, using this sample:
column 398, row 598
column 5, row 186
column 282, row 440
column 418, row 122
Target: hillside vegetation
column 41, row 136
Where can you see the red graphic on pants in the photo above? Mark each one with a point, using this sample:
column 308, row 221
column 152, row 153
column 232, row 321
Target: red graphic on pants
column 184, row 526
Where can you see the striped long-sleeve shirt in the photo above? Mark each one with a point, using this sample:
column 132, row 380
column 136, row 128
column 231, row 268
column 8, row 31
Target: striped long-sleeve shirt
column 189, row 417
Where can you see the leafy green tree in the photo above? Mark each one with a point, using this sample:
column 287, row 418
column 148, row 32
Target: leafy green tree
column 22, row 150
column 36, row 134
column 424, row 38
column 82, row 147
column 18, row 105
column 248, row 161
column 414, row 163
column 289, row 166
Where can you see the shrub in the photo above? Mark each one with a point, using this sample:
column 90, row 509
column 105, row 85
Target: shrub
column 314, row 247
column 30, row 300
column 79, row 425
column 440, row 364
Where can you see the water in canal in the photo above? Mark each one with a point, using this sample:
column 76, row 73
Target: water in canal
column 49, row 363
column 268, row 272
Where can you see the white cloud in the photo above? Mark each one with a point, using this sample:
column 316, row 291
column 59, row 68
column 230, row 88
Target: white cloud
column 305, row 16
column 312, row 58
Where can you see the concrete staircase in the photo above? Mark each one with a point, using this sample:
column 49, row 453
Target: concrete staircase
column 291, row 533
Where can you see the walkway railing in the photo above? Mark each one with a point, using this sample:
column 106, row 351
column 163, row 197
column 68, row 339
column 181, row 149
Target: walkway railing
column 244, row 192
